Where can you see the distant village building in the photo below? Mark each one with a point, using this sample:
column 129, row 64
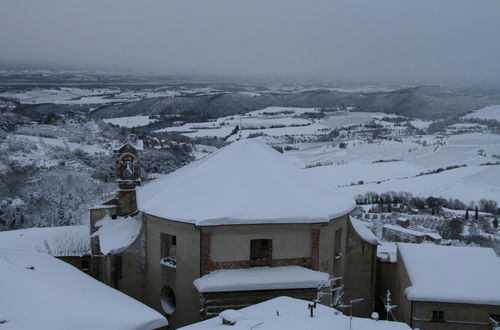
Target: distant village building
column 189, row 243
column 444, row 287
column 395, row 233
column 403, row 222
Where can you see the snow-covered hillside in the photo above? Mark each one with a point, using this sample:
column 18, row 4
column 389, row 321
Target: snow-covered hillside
column 488, row 113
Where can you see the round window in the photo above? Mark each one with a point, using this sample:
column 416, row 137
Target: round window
column 168, row 300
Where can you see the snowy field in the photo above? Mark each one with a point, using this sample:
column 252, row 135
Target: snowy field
column 488, row 113
column 275, row 122
column 362, row 164
column 132, row 121
column 72, row 96
column 91, row 149
column 358, row 169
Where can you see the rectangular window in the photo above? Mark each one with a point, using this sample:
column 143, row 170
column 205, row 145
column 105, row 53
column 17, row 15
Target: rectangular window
column 168, row 250
column 338, row 244
column 261, row 252
column 84, row 265
column 438, row 316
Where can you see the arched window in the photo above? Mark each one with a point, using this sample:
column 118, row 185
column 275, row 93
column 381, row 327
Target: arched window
column 168, row 300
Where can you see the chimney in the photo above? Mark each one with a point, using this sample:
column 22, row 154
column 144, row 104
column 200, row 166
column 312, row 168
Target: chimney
column 128, row 176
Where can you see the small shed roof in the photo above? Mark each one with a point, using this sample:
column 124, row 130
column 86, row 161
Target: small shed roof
column 451, row 274
column 247, row 182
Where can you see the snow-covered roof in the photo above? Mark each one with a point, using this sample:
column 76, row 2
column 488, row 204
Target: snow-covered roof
column 412, row 232
column 42, row 292
column 245, row 182
column 452, row 274
column 293, row 315
column 116, row 235
column 64, row 241
column 363, row 232
column 260, row 278
column 387, row 252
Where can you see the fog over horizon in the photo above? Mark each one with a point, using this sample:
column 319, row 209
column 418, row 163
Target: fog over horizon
column 447, row 41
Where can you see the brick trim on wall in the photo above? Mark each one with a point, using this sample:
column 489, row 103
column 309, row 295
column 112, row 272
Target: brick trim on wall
column 206, row 262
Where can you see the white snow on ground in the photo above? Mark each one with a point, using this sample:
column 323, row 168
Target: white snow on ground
column 260, row 278
column 41, row 292
column 64, row 96
column 61, row 241
column 363, row 231
column 455, row 183
column 356, row 152
column 444, row 273
column 355, row 172
column 92, row 148
column 132, row 121
column 269, row 121
column 403, row 162
column 79, row 96
column 421, row 124
column 245, row 182
column 294, row 315
column 488, row 113
column 348, row 118
column 116, row 235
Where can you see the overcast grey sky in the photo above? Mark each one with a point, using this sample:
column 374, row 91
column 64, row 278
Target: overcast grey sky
column 358, row 40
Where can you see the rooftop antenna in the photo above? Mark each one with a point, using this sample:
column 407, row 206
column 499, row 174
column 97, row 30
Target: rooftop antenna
column 351, row 302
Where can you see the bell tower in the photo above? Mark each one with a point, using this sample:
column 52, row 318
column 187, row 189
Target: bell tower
column 128, row 176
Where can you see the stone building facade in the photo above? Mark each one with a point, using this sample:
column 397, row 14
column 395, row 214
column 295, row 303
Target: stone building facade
column 167, row 256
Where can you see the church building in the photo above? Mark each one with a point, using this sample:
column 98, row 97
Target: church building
column 237, row 228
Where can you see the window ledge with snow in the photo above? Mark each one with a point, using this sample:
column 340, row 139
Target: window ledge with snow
column 169, row 262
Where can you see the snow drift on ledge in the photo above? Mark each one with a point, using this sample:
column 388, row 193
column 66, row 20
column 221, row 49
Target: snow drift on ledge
column 260, row 278
column 247, row 182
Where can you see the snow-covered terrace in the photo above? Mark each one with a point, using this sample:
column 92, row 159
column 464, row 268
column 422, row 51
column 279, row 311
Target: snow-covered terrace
column 285, row 313
column 260, row 278
column 42, row 292
column 467, row 275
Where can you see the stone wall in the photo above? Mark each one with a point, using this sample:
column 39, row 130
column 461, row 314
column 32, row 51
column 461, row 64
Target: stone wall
column 179, row 279
column 457, row 316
